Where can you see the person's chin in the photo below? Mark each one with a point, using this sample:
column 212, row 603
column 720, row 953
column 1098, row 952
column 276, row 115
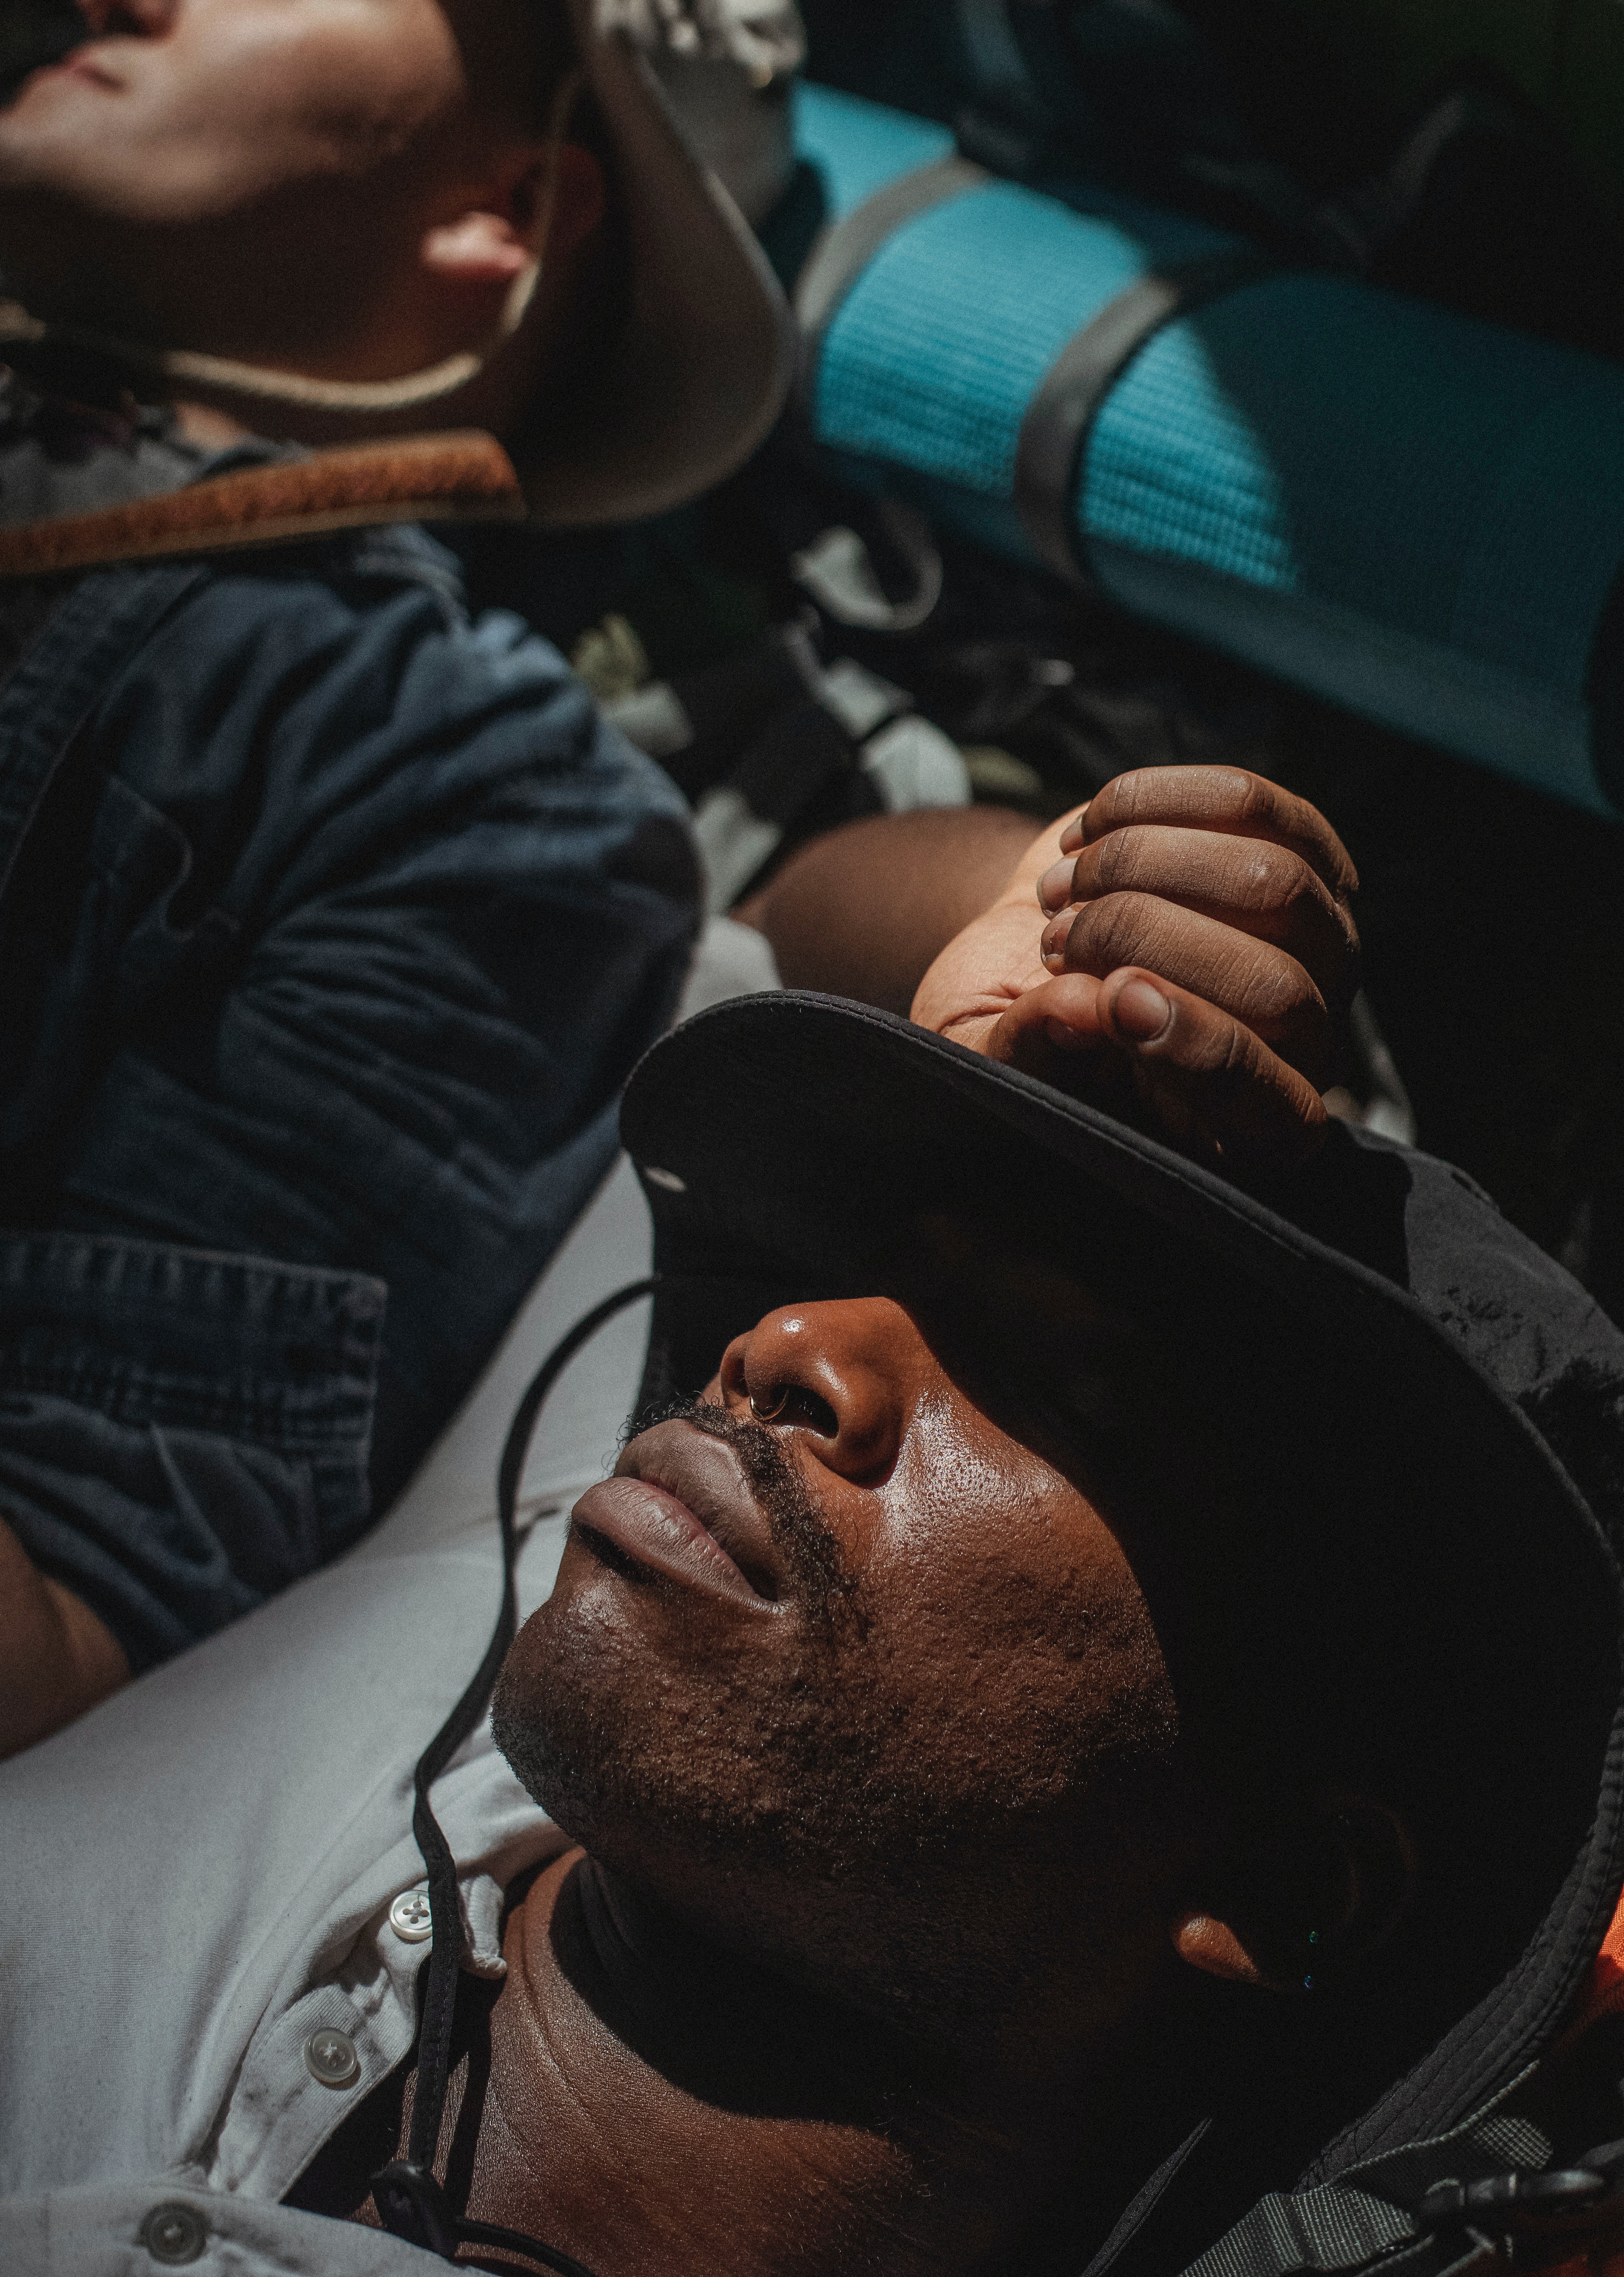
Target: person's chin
column 579, row 1706
column 622, row 1702
column 57, row 94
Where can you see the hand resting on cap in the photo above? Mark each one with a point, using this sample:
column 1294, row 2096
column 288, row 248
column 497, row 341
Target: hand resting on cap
column 1181, row 951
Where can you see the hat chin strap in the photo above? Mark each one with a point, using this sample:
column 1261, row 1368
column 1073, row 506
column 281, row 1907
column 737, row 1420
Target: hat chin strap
column 181, row 370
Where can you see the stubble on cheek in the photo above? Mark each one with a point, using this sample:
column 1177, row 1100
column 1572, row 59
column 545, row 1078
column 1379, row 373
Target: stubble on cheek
column 640, row 1719
column 641, row 1716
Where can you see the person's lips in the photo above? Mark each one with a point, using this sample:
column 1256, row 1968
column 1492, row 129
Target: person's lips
column 678, row 1504
column 81, row 63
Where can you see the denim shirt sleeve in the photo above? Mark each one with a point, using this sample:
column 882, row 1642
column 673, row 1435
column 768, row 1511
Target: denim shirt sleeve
column 330, row 947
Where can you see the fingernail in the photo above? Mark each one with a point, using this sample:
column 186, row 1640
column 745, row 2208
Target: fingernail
column 1142, row 1011
column 1054, row 885
column 1064, row 1039
column 1071, row 836
column 1052, row 947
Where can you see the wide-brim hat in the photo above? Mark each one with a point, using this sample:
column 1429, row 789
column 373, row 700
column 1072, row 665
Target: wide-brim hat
column 679, row 392
column 701, row 367
column 786, row 1141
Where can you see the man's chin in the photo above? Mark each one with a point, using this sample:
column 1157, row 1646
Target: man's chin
column 57, row 115
column 638, row 1748
column 522, row 1724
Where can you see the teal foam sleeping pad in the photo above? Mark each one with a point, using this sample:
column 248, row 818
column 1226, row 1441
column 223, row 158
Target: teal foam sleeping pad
column 1415, row 515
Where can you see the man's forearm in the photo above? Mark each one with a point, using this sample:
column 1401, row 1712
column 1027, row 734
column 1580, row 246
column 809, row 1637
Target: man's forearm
column 56, row 1656
column 864, row 910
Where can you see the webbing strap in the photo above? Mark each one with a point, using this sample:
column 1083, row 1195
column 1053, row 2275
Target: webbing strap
column 1366, row 2216
column 1055, row 431
column 843, row 252
column 1330, row 2228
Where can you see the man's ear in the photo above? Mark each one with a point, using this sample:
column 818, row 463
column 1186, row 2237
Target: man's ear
column 1305, row 1908
column 545, row 206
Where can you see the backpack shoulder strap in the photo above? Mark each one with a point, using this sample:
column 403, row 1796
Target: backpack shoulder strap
column 461, row 476
column 1444, row 2200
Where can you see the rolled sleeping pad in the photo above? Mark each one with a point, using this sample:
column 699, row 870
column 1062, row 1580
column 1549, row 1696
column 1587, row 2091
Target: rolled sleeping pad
column 1418, row 517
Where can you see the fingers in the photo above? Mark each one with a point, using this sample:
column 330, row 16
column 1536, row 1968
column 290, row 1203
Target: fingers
column 1226, row 801
column 1213, row 1085
column 1199, row 1078
column 1253, row 885
column 1253, row 981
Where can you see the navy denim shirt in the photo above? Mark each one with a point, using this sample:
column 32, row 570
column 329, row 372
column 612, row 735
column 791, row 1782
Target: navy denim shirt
column 330, row 926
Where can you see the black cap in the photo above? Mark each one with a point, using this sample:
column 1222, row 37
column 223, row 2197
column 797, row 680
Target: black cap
column 784, row 1139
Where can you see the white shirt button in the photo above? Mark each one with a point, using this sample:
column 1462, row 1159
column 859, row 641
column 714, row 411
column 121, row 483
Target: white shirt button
column 174, row 2234
column 331, row 2057
column 411, row 1916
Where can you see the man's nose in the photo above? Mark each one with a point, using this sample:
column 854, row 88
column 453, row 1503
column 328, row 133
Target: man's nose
column 839, row 1376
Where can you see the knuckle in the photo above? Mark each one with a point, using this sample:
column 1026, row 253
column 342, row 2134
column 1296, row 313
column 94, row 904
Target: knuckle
column 1300, row 900
column 1274, row 884
column 1105, row 809
column 1229, row 1057
column 1253, row 798
column 1109, row 933
column 1279, row 1001
column 1116, row 864
column 1295, row 1003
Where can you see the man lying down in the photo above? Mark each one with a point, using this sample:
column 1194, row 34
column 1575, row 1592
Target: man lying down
column 1104, row 1709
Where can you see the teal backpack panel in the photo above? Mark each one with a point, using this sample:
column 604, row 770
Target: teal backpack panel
column 1418, row 517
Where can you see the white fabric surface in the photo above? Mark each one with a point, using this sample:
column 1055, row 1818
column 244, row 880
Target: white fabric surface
column 200, row 1872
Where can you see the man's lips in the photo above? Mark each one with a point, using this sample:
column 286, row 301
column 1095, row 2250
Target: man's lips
column 678, row 1504
column 81, row 63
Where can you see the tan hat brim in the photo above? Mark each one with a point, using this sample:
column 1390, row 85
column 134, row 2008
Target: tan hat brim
column 701, row 368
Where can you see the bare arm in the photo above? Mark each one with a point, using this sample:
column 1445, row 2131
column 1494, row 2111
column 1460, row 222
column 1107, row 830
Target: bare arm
column 56, row 1656
column 861, row 912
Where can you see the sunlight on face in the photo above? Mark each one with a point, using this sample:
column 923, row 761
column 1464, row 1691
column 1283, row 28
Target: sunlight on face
column 188, row 111
column 257, row 176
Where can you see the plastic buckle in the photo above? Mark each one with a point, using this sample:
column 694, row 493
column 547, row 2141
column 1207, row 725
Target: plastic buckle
column 1535, row 2219
column 412, row 2207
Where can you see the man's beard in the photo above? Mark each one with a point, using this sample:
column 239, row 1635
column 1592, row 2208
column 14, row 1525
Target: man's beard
column 739, row 1754
column 596, row 1731
column 783, row 1780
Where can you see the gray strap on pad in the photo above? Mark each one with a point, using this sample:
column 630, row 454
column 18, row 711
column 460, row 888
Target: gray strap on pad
column 1055, row 431
column 843, row 252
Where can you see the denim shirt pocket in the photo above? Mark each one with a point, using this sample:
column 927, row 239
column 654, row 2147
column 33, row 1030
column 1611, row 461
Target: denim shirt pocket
column 182, row 1432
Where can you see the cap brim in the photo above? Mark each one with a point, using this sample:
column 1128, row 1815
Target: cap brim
column 702, row 367
column 801, row 1131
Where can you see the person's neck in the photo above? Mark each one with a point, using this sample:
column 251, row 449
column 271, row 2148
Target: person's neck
column 655, row 2103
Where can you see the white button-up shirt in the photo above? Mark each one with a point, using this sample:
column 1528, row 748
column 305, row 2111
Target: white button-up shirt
column 209, row 1876
column 203, row 1878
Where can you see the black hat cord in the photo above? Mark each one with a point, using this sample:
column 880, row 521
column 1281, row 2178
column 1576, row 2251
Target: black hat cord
column 410, row 2202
